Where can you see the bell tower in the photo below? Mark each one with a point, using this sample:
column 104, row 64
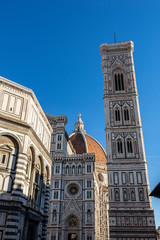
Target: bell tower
column 131, row 215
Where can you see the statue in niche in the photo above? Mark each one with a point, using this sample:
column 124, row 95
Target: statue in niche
column 89, row 216
column 54, row 217
column 116, row 195
column 132, row 195
column 67, row 170
column 141, row 195
column 73, row 170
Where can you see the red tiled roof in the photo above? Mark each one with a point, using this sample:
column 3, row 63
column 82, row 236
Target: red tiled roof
column 84, row 143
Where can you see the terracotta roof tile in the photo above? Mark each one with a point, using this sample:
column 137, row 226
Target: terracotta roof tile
column 80, row 141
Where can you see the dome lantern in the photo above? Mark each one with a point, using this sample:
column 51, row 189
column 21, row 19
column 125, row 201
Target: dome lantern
column 79, row 125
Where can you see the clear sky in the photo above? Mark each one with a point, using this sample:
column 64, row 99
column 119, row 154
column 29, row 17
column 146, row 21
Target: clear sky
column 53, row 47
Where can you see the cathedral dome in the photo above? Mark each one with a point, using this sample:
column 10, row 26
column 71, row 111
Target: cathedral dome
column 83, row 143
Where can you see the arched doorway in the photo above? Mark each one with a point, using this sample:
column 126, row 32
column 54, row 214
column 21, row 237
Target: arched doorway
column 72, row 236
column 72, row 230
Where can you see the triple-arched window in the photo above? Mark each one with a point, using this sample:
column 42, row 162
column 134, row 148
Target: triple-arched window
column 119, row 82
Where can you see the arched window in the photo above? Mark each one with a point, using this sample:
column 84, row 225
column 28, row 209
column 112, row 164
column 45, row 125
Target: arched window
column 129, row 146
column 119, row 82
column 117, row 115
column 126, row 114
column 119, row 146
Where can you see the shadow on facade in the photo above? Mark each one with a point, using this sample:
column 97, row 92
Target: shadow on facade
column 24, row 192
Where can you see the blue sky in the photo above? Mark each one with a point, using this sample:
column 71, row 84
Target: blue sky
column 53, row 47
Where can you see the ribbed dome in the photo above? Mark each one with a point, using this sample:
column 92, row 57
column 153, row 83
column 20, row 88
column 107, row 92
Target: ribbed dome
column 84, row 143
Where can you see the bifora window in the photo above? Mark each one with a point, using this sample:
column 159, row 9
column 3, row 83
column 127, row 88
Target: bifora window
column 56, row 184
column 88, row 168
column 119, row 82
column 117, row 115
column 58, row 146
column 88, row 183
column 129, row 146
column 119, row 146
column 126, row 114
column 89, row 194
column 55, row 194
column 57, row 169
column 59, row 138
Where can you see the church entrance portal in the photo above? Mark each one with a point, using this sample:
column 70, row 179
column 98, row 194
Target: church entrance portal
column 72, row 236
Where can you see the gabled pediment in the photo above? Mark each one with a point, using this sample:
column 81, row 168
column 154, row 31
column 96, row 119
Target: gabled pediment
column 72, row 207
column 117, row 64
column 5, row 147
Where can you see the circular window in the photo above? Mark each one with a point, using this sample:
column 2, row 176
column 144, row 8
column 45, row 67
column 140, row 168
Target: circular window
column 73, row 189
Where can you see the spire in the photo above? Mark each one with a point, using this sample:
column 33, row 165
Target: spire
column 79, row 125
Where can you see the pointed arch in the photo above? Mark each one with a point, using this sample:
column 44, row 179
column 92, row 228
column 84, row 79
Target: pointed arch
column 120, row 146
column 129, row 146
column 117, row 114
column 119, row 79
column 126, row 113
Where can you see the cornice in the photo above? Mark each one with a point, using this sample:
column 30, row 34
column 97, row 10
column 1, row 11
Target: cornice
column 28, row 130
column 127, row 46
column 15, row 87
column 77, row 157
column 56, row 118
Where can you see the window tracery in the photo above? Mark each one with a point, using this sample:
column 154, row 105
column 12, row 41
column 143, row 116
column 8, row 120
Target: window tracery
column 129, row 143
column 126, row 114
column 117, row 115
column 119, row 146
column 119, row 81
